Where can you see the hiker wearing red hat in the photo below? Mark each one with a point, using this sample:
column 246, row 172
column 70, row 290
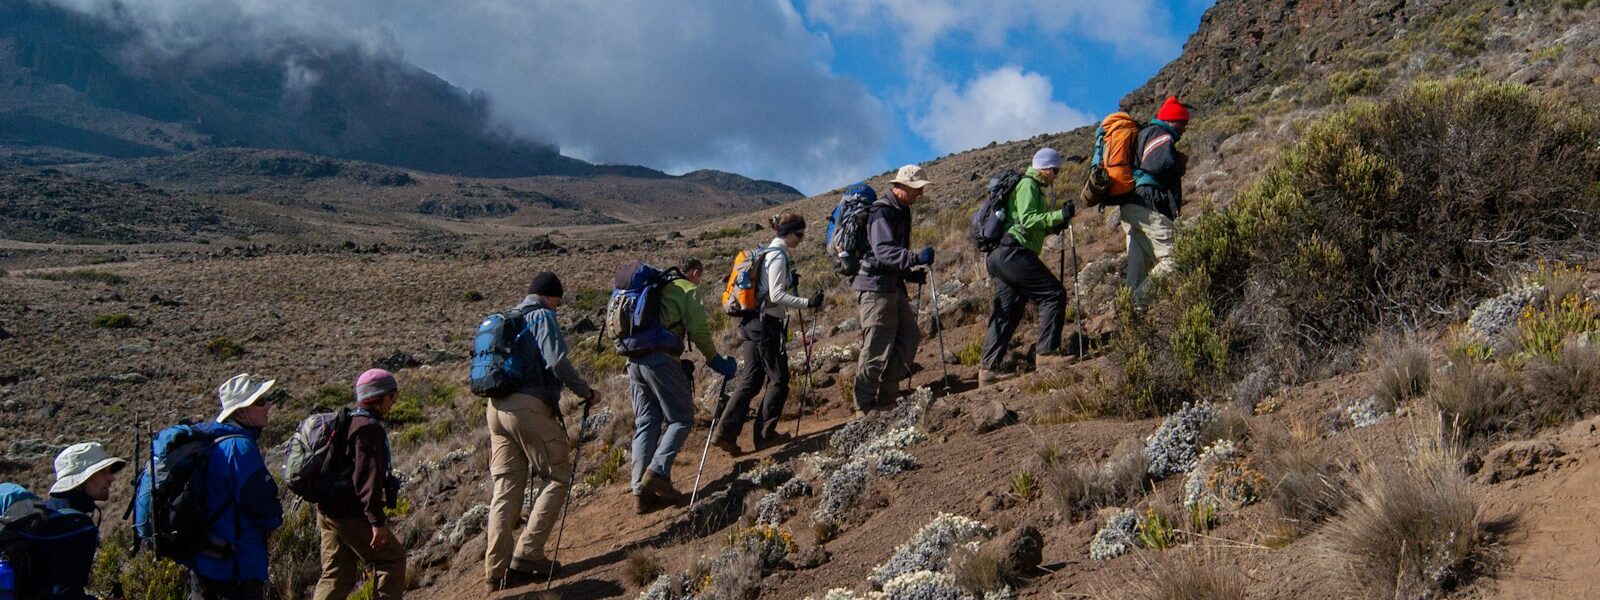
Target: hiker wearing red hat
column 1148, row 214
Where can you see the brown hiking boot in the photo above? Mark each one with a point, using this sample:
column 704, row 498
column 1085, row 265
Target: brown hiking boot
column 644, row 503
column 729, row 446
column 987, row 377
column 659, row 488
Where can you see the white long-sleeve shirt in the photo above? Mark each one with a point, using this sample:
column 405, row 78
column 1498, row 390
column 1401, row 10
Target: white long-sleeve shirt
column 780, row 284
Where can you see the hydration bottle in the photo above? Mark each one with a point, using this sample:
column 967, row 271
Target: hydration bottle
column 8, row 580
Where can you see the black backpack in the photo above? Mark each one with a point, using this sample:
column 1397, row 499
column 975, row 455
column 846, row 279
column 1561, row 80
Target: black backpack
column 492, row 371
column 314, row 467
column 989, row 221
column 23, row 517
column 847, row 229
column 170, row 514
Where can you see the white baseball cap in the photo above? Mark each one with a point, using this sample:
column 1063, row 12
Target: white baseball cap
column 78, row 462
column 240, row 391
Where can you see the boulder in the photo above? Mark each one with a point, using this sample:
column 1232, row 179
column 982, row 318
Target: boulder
column 396, row 361
column 992, row 417
column 1021, row 549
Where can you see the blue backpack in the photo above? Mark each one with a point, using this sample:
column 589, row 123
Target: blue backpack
column 22, row 517
column 634, row 313
column 847, row 229
column 493, row 374
column 169, row 511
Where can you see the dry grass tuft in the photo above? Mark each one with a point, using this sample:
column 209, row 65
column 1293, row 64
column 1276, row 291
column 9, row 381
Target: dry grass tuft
column 642, row 567
column 1479, row 402
column 1081, row 488
column 1193, row 575
column 977, row 572
column 1302, row 486
column 1404, row 373
column 1414, row 530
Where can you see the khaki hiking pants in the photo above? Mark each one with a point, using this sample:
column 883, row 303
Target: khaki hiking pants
column 889, row 338
column 346, row 543
column 523, row 434
column 1149, row 247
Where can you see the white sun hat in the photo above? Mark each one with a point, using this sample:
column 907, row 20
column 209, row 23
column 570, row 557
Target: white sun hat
column 240, row 391
column 78, row 462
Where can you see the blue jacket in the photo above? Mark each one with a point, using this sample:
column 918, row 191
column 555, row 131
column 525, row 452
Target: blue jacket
column 242, row 504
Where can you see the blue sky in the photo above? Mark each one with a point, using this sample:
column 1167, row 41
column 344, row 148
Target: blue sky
column 813, row 93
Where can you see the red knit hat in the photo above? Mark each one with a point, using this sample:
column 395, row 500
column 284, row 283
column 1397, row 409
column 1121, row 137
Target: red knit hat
column 1172, row 110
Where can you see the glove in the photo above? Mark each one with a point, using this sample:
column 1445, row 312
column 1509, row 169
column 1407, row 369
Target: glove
column 926, row 256
column 918, row 276
column 1068, row 210
column 723, row 365
column 816, row 300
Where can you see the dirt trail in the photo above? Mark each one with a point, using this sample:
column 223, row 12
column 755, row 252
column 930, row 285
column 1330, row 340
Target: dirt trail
column 1551, row 549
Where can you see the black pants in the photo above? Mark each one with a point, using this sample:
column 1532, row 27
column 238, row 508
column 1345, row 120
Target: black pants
column 201, row 588
column 1018, row 277
column 762, row 359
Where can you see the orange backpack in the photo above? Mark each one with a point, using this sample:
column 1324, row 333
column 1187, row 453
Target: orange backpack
column 741, row 297
column 1111, row 173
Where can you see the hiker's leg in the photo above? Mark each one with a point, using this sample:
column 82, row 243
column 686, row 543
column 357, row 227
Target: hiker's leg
column 508, row 467
column 1029, row 276
column 1007, row 312
column 746, row 382
column 1157, row 229
column 355, row 537
column 1140, row 254
column 906, row 338
column 775, row 361
column 647, row 419
column 664, row 376
column 878, row 326
column 341, row 567
column 552, row 462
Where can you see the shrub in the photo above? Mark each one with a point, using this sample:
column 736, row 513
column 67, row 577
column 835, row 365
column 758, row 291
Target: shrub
column 720, row 234
column 1024, row 485
column 1479, row 403
column 970, row 354
column 81, row 275
column 1545, row 332
column 116, row 320
column 296, row 553
column 1567, row 389
column 120, row 573
column 609, row 468
column 223, row 348
column 1403, row 375
column 1080, row 489
column 929, row 549
column 406, row 410
column 643, row 567
column 332, row 395
column 1344, row 84
column 1302, row 487
column 1193, row 575
column 472, row 296
column 977, row 572
column 1414, row 530
column 1155, row 530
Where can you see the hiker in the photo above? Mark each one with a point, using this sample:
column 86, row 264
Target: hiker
column 525, row 431
column 662, row 385
column 61, row 554
column 1147, row 214
column 1019, row 276
column 351, row 520
column 889, row 333
column 241, row 497
column 764, row 358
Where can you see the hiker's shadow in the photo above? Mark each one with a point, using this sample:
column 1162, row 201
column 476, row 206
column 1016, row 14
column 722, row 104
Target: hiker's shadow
column 583, row 588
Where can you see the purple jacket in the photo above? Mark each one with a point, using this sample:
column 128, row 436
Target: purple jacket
column 889, row 257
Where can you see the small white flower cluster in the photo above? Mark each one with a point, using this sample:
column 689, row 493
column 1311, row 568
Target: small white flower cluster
column 924, row 585
column 768, row 476
column 841, row 492
column 1496, row 316
column 929, row 549
column 893, row 440
column 891, row 462
column 769, row 509
column 865, row 447
column 1116, row 538
column 843, row 354
column 1173, row 447
column 1195, row 488
column 861, row 431
column 1365, row 412
column 670, row 586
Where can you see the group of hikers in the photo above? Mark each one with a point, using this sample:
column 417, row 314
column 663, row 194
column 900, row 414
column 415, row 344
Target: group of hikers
column 218, row 525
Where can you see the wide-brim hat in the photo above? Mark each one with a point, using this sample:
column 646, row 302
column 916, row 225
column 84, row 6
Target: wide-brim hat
column 910, row 176
column 78, row 462
column 240, row 391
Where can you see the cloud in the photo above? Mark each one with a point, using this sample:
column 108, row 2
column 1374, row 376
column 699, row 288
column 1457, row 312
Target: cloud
column 1135, row 28
column 1001, row 105
column 743, row 87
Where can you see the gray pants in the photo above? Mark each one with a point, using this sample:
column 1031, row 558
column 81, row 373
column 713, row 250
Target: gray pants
column 661, row 395
column 1149, row 248
column 889, row 338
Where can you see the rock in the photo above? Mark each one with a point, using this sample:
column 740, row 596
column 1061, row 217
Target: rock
column 848, row 325
column 470, row 524
column 830, row 365
column 940, row 413
column 991, row 504
column 992, row 417
column 1021, row 549
column 749, row 227
column 396, row 361
column 5, row 335
column 810, row 558
column 584, row 325
column 1520, row 459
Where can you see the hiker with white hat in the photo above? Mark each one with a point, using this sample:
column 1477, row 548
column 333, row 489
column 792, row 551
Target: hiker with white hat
column 1019, row 277
column 62, row 555
column 889, row 333
column 241, row 497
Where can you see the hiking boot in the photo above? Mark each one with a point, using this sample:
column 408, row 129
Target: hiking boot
column 644, row 504
column 773, row 441
column 516, row 578
column 729, row 446
column 987, row 377
column 660, row 488
column 539, row 569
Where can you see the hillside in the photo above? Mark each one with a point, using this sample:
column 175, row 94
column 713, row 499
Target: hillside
column 1325, row 348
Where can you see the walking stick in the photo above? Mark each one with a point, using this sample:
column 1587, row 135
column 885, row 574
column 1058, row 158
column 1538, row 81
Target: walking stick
column 572, row 477
column 1077, row 300
column 722, row 396
column 805, row 342
column 938, row 324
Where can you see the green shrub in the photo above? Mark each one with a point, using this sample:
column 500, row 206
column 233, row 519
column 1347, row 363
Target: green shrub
column 589, row 300
column 723, row 233
column 970, row 354
column 116, row 320
column 472, row 296
column 223, row 348
column 1155, row 530
column 118, row 572
column 296, row 553
column 333, row 395
column 1343, row 85
column 81, row 275
column 406, row 410
column 609, row 469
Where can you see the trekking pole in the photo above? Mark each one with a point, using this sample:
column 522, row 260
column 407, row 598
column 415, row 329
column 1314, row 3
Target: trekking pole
column 938, row 324
column 1077, row 299
column 805, row 342
column 722, row 395
column 572, row 477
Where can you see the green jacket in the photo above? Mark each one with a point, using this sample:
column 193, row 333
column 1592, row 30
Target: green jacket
column 684, row 313
column 1031, row 220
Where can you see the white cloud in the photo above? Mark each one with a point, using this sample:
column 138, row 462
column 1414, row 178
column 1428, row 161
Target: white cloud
column 681, row 85
column 1000, row 105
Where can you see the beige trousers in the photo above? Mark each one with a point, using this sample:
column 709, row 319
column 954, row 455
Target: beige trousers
column 889, row 338
column 523, row 434
column 1149, row 248
column 346, row 543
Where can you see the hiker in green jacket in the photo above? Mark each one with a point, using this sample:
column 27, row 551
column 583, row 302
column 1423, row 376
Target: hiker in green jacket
column 1017, row 273
column 663, row 392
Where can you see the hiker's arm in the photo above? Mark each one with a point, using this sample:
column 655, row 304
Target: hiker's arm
column 258, row 494
column 1160, row 159
column 370, row 474
column 694, row 320
column 1032, row 214
column 777, row 277
column 554, row 348
column 880, row 234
